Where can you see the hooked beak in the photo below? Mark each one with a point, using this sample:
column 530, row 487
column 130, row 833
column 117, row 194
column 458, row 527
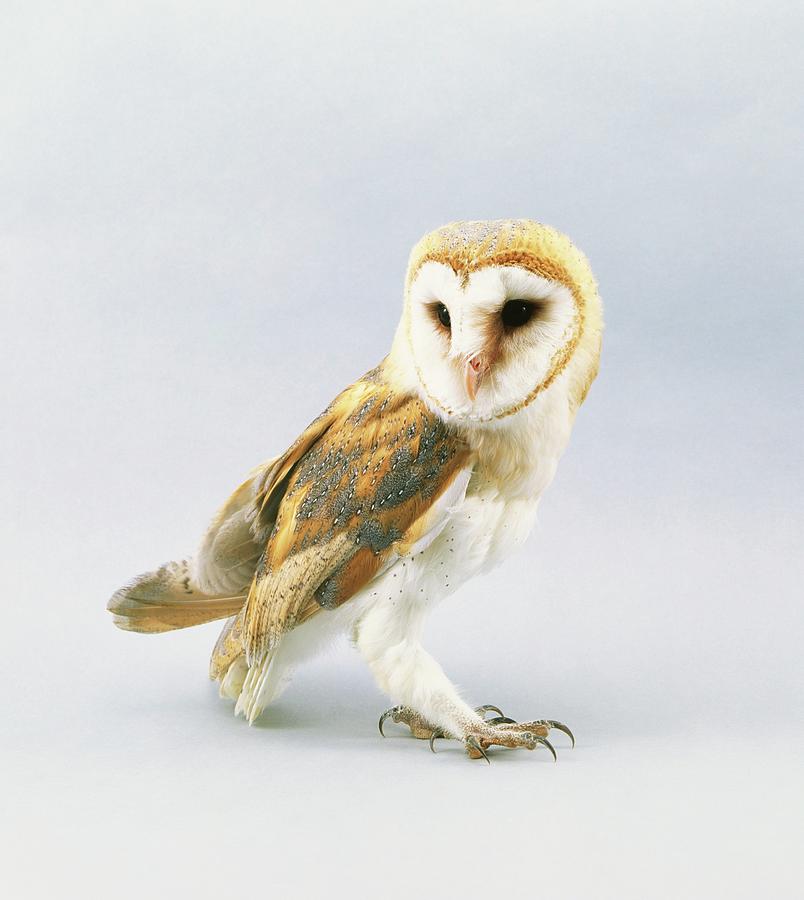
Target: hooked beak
column 473, row 373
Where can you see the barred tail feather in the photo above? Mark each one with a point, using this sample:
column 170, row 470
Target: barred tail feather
column 168, row 599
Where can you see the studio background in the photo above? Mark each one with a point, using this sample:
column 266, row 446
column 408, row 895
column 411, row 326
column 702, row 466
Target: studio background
column 205, row 219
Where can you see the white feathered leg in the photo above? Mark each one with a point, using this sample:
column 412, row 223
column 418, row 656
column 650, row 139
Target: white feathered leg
column 388, row 637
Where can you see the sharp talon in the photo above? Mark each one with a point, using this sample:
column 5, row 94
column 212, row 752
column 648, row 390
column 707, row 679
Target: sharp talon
column 387, row 714
column 473, row 743
column 433, row 736
column 560, row 726
column 500, row 720
column 549, row 746
column 482, row 710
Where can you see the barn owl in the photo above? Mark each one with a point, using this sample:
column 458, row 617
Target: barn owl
column 426, row 471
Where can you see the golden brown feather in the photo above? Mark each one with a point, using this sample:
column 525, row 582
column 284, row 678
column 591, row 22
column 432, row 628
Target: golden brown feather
column 356, row 491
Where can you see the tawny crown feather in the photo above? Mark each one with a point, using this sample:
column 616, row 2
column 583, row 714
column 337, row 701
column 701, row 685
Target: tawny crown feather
column 469, row 246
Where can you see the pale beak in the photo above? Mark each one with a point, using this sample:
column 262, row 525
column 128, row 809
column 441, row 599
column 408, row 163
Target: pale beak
column 473, row 373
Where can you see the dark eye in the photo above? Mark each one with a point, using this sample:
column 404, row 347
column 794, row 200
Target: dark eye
column 443, row 315
column 516, row 313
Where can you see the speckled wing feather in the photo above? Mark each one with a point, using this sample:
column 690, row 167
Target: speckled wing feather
column 362, row 493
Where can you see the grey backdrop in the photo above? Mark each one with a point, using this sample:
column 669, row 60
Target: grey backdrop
column 205, row 215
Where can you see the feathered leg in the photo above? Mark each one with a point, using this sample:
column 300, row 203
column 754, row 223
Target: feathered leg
column 387, row 636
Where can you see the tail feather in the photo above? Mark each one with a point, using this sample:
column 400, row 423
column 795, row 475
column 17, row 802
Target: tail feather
column 213, row 584
column 168, row 599
column 256, row 690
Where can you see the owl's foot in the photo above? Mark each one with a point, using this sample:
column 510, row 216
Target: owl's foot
column 421, row 728
column 503, row 732
column 404, row 715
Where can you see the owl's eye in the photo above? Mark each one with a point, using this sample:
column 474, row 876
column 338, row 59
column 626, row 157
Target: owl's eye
column 516, row 313
column 443, row 315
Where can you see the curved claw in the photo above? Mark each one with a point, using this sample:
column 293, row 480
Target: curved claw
column 501, row 720
column 560, row 726
column 387, row 714
column 473, row 743
column 542, row 740
column 433, row 736
column 482, row 710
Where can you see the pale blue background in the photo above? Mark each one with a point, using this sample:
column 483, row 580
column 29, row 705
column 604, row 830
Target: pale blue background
column 205, row 215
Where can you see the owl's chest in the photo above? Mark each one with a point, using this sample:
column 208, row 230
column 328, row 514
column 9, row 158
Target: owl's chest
column 511, row 470
column 492, row 524
column 478, row 535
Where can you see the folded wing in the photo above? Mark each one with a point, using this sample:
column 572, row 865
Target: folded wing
column 377, row 482
column 214, row 582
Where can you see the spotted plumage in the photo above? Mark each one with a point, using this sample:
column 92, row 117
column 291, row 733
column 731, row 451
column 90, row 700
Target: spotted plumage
column 357, row 498
column 424, row 472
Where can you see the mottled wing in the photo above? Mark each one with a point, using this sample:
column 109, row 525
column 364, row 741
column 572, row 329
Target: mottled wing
column 365, row 493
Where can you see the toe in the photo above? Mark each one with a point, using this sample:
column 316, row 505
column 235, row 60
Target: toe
column 474, row 749
column 392, row 714
column 560, row 726
column 482, row 710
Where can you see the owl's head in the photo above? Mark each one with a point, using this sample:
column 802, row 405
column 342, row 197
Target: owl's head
column 495, row 314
